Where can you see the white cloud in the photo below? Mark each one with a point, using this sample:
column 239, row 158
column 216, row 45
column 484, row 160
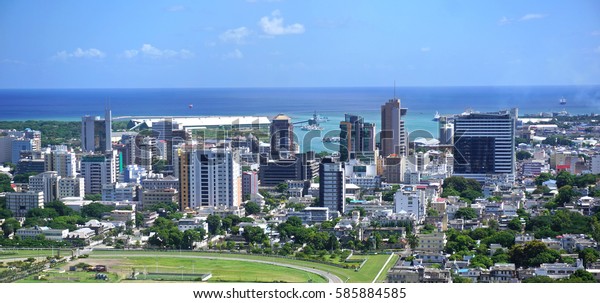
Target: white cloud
column 504, row 21
column 426, row 49
column 80, row 53
column 532, row 17
column 235, row 54
column 130, row 53
column 176, row 8
column 11, row 61
column 274, row 25
column 236, row 35
column 149, row 51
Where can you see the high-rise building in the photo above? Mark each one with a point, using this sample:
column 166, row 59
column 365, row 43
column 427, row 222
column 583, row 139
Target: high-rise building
column 484, row 144
column 209, row 177
column 120, row 192
column 301, row 167
column 18, row 146
column 61, row 161
column 71, row 187
column 332, row 185
column 96, row 133
column 356, row 138
column 412, row 201
column 595, row 167
column 98, row 170
column 47, row 183
column 20, row 203
column 393, row 137
column 282, row 137
column 249, row 183
column 446, row 131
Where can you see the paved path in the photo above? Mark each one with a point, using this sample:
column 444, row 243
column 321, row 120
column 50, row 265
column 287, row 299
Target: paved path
column 383, row 267
column 331, row 278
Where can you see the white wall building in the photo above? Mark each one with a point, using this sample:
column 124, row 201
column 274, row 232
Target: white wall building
column 210, row 177
column 408, row 198
column 47, row 183
column 119, row 192
column 98, row 170
column 71, row 187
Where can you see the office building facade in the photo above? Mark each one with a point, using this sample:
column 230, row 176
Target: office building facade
column 484, row 144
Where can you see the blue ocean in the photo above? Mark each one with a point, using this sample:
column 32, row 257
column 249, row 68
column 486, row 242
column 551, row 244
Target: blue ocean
column 298, row 103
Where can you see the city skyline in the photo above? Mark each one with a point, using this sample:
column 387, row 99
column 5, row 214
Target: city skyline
column 71, row 44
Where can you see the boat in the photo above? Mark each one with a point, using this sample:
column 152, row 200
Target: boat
column 311, row 127
column 562, row 101
column 436, row 117
column 331, row 139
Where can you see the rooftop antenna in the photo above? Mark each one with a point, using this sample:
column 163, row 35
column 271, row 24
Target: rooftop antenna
column 394, row 89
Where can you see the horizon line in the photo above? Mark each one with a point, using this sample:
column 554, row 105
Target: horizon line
column 301, row 87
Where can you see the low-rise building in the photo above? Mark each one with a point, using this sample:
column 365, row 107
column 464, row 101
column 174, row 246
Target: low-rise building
column 47, row 232
column 433, row 242
column 558, row 270
column 499, row 273
column 21, row 203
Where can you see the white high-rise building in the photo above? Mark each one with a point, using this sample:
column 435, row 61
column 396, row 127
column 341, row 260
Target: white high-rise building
column 47, row 183
column 332, row 185
column 63, row 162
column 71, row 187
column 98, row 170
column 411, row 200
column 210, row 177
column 119, row 192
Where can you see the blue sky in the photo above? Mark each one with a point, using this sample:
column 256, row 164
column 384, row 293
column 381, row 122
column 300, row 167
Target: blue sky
column 268, row 43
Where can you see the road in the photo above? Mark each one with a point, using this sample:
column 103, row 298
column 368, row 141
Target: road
column 331, row 278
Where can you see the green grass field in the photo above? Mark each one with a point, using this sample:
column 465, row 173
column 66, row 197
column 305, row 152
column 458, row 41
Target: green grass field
column 364, row 275
column 222, row 270
column 56, row 276
column 226, row 270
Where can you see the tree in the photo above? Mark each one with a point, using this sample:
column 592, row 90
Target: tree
column 281, row 187
column 532, row 254
column 95, row 210
column 254, row 234
column 481, row 261
column 581, row 276
column 9, row 226
column 214, row 224
column 514, row 224
column 413, row 241
column 5, row 213
column 189, row 237
column 564, row 178
column 524, row 155
column 252, row 208
column 5, row 183
column 93, row 197
column 60, row 208
column 543, row 177
column 566, row 194
column 432, row 212
column 294, row 221
column 589, row 256
column 466, row 213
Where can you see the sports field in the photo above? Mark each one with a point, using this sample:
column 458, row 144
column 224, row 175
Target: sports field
column 122, row 263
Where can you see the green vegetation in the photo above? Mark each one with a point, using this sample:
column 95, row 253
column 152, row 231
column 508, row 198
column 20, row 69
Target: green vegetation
column 524, row 155
column 53, row 132
column 365, row 275
column 467, row 189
